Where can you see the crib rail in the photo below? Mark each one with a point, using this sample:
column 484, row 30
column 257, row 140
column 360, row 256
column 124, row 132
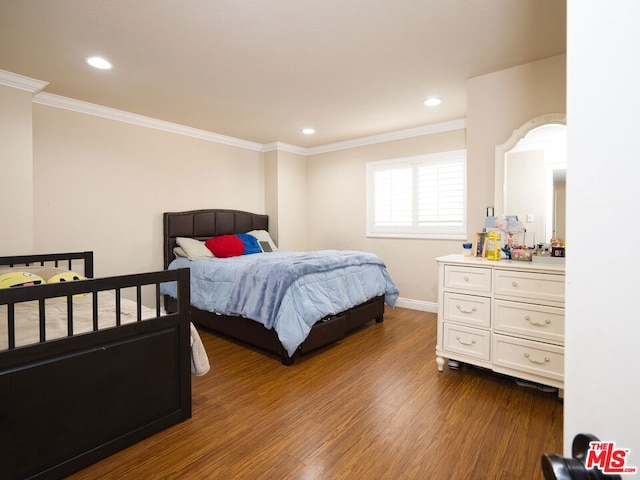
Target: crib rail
column 40, row 293
column 55, row 259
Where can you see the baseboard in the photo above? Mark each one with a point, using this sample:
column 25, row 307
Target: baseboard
column 421, row 305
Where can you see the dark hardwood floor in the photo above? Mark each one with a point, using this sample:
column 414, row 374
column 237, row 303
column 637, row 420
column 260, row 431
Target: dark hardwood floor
column 372, row 406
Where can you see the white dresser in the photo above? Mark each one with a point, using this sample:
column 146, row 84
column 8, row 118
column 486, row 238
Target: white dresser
column 505, row 315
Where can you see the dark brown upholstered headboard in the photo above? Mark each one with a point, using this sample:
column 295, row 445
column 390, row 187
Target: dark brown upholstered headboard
column 204, row 224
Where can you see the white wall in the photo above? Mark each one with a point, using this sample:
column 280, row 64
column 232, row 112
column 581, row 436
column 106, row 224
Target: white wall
column 103, row 185
column 271, row 192
column 16, row 172
column 292, row 201
column 497, row 104
column 603, row 268
column 337, row 211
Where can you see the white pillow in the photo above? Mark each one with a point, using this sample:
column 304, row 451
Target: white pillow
column 193, row 249
column 263, row 236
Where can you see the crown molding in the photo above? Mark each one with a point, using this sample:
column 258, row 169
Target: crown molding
column 390, row 136
column 80, row 106
column 285, row 147
column 371, row 140
column 135, row 119
column 15, row 80
column 35, row 87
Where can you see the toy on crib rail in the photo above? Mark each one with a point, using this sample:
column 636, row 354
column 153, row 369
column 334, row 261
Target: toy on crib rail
column 66, row 277
column 20, row 279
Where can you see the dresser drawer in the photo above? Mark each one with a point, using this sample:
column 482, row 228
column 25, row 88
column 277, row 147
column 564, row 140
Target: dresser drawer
column 471, row 279
column 467, row 341
column 528, row 356
column 528, row 286
column 538, row 321
column 468, row 309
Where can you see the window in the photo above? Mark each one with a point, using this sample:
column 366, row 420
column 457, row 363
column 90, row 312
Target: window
column 418, row 197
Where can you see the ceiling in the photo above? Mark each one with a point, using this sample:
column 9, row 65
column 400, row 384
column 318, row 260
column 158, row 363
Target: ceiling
column 261, row 70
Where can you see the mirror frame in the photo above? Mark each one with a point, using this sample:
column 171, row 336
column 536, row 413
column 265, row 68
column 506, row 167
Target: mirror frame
column 502, row 149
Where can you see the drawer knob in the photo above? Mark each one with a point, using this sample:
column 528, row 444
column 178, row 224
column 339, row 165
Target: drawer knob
column 514, row 284
column 539, row 362
column 466, row 279
column 472, row 342
column 537, row 324
column 468, row 310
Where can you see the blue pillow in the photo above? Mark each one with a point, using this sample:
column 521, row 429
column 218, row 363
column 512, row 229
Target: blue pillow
column 251, row 244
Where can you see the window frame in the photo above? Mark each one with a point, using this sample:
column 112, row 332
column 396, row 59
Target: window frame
column 440, row 232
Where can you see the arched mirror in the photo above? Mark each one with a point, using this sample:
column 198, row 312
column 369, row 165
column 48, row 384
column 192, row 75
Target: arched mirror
column 531, row 170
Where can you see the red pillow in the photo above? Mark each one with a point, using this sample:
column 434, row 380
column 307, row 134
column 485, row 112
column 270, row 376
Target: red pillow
column 225, row 246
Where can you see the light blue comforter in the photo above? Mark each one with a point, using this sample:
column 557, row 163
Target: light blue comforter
column 286, row 291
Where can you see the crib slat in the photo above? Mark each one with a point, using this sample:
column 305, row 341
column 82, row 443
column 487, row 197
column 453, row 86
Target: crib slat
column 139, row 301
column 70, row 316
column 95, row 311
column 11, row 324
column 118, row 293
column 157, row 299
column 43, row 334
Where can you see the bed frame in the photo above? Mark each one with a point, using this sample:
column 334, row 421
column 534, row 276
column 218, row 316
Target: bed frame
column 204, row 224
column 67, row 403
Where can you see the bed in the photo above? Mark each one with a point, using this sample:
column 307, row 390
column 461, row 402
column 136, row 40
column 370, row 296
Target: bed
column 202, row 225
column 75, row 393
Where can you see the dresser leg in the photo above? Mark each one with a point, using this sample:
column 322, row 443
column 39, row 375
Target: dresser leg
column 440, row 363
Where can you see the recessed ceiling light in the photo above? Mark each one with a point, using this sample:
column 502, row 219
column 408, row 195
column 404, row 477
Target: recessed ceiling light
column 308, row 131
column 99, row 62
column 432, row 102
